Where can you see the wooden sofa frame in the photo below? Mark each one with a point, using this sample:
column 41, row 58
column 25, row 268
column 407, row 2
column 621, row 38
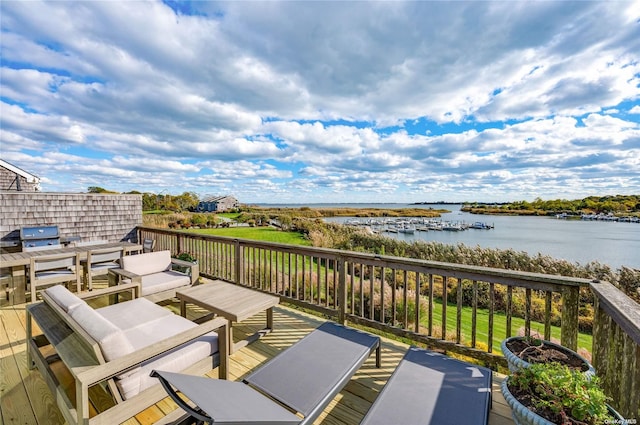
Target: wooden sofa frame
column 116, row 275
column 82, row 356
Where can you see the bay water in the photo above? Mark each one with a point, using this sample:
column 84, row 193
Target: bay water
column 578, row 241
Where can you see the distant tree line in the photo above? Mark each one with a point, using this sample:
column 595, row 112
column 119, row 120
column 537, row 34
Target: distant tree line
column 187, row 201
column 617, row 205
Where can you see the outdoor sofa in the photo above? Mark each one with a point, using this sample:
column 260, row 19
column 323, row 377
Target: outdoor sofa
column 155, row 274
column 110, row 351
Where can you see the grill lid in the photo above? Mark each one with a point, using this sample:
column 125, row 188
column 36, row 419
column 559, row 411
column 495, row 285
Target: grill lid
column 39, row 232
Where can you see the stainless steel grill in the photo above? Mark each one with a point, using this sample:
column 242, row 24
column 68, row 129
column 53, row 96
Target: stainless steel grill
column 39, row 237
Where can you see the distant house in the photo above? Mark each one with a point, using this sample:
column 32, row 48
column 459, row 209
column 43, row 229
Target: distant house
column 13, row 178
column 218, row 204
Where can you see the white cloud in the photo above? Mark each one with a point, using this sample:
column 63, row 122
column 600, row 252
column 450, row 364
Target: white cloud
column 362, row 101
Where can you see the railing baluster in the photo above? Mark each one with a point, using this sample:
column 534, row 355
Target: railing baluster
column 474, row 314
column 444, row 308
column 405, row 300
column 394, row 288
column 509, row 308
column 417, row 308
column 527, row 312
column 362, row 290
column 371, row 293
column 459, row 313
column 492, row 303
column 382, row 290
column 547, row 315
column 430, row 305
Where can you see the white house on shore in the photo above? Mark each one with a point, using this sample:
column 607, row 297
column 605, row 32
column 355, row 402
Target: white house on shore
column 218, row 204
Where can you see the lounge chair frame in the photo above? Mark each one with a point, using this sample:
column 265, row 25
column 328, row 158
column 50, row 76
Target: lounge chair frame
column 289, row 378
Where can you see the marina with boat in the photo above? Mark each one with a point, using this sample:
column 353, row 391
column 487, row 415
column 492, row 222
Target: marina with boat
column 414, row 224
column 610, row 242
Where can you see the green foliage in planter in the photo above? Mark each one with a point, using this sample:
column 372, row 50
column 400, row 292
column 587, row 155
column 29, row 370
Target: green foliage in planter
column 185, row 256
column 568, row 396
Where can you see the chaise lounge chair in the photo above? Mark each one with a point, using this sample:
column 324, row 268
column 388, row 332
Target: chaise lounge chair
column 304, row 379
column 428, row 388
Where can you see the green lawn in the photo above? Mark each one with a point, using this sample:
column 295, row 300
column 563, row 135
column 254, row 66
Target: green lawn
column 268, row 234
column 499, row 326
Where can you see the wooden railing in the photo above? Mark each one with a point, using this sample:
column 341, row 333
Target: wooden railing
column 401, row 296
column 405, row 297
column 616, row 348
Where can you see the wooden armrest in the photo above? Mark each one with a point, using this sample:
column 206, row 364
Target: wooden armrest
column 123, row 364
column 193, row 268
column 133, row 287
column 120, row 273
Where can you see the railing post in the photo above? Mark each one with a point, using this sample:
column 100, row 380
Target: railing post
column 342, row 290
column 238, row 261
column 616, row 347
column 570, row 310
column 179, row 244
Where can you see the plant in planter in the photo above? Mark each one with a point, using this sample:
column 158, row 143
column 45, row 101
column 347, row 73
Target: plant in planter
column 522, row 351
column 552, row 393
column 185, row 256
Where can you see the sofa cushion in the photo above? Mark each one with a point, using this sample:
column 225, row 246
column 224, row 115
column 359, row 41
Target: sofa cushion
column 64, row 298
column 148, row 263
column 133, row 313
column 144, row 335
column 112, row 341
column 158, row 282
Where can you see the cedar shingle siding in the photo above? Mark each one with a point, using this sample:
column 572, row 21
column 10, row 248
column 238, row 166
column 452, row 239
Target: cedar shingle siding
column 88, row 215
column 13, row 178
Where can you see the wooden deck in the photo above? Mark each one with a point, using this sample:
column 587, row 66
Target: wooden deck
column 26, row 399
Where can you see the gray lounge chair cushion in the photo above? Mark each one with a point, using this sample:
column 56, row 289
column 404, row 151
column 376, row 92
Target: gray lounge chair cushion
column 228, row 402
column 429, row 388
column 310, row 372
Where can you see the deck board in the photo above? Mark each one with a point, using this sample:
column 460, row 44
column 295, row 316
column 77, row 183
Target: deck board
column 25, row 397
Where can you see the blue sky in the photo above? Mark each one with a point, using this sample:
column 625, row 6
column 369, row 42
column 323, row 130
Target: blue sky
column 306, row 102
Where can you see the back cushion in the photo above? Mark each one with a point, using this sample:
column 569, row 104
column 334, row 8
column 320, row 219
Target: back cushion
column 112, row 341
column 151, row 262
column 64, row 298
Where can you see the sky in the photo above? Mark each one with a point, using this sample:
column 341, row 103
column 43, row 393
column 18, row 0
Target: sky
column 325, row 101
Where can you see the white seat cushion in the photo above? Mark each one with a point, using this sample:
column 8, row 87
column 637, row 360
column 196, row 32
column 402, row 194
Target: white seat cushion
column 176, row 360
column 134, row 313
column 158, row 282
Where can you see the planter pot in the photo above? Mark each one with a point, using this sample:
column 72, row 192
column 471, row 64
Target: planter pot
column 515, row 363
column 186, row 270
column 523, row 416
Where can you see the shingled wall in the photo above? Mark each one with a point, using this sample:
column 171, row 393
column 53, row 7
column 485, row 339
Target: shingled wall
column 88, row 215
column 8, row 181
